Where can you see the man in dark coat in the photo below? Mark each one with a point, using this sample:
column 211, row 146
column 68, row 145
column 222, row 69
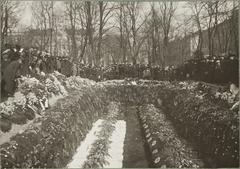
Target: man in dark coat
column 17, row 53
column 9, row 75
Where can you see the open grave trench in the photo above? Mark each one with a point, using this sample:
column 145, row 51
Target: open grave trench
column 112, row 125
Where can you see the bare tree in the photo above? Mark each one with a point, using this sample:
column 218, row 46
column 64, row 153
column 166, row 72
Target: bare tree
column 151, row 31
column 120, row 17
column 166, row 13
column 43, row 19
column 71, row 11
column 90, row 14
column 9, row 10
column 132, row 24
column 155, row 36
column 197, row 9
column 105, row 13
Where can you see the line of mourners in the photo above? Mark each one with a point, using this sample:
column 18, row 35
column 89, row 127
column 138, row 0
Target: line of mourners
column 17, row 61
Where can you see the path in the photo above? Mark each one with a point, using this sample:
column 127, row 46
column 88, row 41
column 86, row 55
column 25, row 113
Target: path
column 124, row 143
column 134, row 153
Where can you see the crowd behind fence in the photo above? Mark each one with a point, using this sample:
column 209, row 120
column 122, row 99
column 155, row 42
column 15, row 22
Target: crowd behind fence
column 17, row 61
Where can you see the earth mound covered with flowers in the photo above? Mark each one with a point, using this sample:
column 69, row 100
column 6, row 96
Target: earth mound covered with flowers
column 196, row 111
column 35, row 95
column 62, row 111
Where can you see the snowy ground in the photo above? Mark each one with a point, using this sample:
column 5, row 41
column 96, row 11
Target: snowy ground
column 115, row 158
column 103, row 145
column 85, row 146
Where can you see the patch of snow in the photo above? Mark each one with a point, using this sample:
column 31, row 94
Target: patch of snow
column 115, row 158
column 83, row 150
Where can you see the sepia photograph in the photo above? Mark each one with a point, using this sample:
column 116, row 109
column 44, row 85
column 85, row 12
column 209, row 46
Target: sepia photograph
column 119, row 84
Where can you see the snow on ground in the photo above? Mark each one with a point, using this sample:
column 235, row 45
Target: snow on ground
column 83, row 150
column 100, row 136
column 115, row 159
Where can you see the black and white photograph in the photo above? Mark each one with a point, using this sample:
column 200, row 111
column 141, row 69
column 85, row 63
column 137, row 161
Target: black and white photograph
column 119, row 84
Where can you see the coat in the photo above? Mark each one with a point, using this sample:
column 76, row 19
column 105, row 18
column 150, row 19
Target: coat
column 9, row 75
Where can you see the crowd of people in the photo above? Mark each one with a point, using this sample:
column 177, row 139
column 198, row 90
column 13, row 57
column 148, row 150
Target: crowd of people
column 17, row 61
column 217, row 70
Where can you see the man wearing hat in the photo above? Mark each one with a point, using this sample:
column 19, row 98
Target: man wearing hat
column 9, row 74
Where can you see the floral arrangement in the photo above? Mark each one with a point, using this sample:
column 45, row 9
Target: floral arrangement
column 76, row 82
column 166, row 147
column 97, row 157
column 31, row 97
column 96, row 150
column 51, row 139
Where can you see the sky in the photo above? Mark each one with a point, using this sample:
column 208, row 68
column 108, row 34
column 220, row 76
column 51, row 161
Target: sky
column 26, row 13
column 182, row 12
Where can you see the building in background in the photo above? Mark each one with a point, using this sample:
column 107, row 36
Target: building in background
column 225, row 42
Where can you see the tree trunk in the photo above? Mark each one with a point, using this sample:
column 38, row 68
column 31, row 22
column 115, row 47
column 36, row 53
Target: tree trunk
column 89, row 32
column 122, row 49
column 74, row 52
column 101, row 10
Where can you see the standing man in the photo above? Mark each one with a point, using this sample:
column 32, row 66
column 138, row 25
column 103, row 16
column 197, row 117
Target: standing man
column 9, row 75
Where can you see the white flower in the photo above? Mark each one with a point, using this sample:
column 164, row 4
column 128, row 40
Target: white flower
column 150, row 139
column 157, row 160
column 19, row 99
column 217, row 94
column 155, row 151
column 32, row 98
column 148, row 135
column 154, row 143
